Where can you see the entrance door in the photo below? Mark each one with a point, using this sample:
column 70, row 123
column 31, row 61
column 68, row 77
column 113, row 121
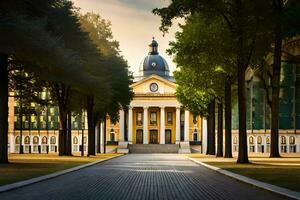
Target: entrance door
column 153, row 137
column 168, row 136
column 139, row 136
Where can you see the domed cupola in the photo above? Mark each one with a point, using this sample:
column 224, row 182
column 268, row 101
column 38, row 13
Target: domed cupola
column 153, row 63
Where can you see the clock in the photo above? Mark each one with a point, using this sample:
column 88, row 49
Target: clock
column 153, row 87
column 153, row 64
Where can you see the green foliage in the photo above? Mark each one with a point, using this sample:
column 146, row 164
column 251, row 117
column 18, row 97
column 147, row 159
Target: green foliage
column 203, row 53
column 116, row 67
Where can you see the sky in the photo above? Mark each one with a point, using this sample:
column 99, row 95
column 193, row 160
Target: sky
column 133, row 25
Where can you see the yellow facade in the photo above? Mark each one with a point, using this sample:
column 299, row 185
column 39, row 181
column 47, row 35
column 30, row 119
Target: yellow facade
column 154, row 102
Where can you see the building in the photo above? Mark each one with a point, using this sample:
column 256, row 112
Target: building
column 155, row 116
column 259, row 113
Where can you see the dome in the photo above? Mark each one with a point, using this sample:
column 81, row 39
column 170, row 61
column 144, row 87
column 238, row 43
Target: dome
column 153, row 63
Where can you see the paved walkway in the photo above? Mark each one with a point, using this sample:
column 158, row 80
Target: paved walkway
column 141, row 176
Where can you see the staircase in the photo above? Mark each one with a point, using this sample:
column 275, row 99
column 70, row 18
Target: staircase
column 153, row 148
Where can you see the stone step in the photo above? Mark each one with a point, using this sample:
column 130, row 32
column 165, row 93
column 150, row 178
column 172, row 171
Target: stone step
column 153, row 148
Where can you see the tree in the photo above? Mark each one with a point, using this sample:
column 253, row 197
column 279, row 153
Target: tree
column 244, row 22
column 31, row 33
column 210, row 62
column 285, row 15
column 116, row 71
column 281, row 10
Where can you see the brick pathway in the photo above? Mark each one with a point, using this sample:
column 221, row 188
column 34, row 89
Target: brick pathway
column 141, row 176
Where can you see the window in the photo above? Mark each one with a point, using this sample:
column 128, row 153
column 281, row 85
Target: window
column 35, row 140
column 268, row 140
column 75, row 140
column 84, row 140
column 283, row 144
column 112, row 136
column 18, row 140
column 153, row 118
column 181, row 117
column 52, row 111
column 195, row 136
column 259, row 140
column 235, row 140
column 44, row 140
column 292, row 140
column 139, row 118
column 251, row 140
column 169, row 118
column 251, row 146
column 52, row 140
column 27, row 140
column 283, row 140
column 292, row 144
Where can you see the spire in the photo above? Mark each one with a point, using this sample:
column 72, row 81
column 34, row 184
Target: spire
column 153, row 47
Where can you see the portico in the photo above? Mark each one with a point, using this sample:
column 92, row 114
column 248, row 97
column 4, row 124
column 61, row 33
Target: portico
column 154, row 124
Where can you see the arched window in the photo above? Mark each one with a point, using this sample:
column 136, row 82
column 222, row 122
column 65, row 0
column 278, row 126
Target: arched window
column 268, row 140
column 17, row 140
column 53, row 140
column 251, row 140
column 27, row 140
column 44, row 140
column 235, row 140
column 35, row 140
column 292, row 140
column 75, row 140
column 283, row 140
column 259, row 140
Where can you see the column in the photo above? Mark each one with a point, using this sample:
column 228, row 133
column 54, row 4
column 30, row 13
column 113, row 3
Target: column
column 102, row 137
column 145, row 125
column 130, row 125
column 12, row 143
column 204, row 135
column 162, row 125
column 121, row 125
column 186, row 125
column 177, row 125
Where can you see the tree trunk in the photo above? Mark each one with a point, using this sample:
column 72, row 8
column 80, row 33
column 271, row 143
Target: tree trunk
column 91, row 126
column 241, row 69
column 211, row 143
column 98, row 137
column 220, row 130
column 276, row 85
column 3, row 108
column 69, row 134
column 104, row 136
column 208, row 147
column 62, row 132
column 21, row 150
column 228, row 115
column 243, row 153
column 61, row 92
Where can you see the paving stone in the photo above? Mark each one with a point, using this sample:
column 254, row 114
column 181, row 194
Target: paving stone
column 142, row 176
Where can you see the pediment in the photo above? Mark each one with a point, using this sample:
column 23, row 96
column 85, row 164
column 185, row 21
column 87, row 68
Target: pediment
column 165, row 86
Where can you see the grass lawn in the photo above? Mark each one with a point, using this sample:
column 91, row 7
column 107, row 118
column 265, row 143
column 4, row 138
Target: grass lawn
column 26, row 166
column 262, row 169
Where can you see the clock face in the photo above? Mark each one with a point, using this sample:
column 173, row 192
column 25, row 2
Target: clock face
column 153, row 87
column 153, row 64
